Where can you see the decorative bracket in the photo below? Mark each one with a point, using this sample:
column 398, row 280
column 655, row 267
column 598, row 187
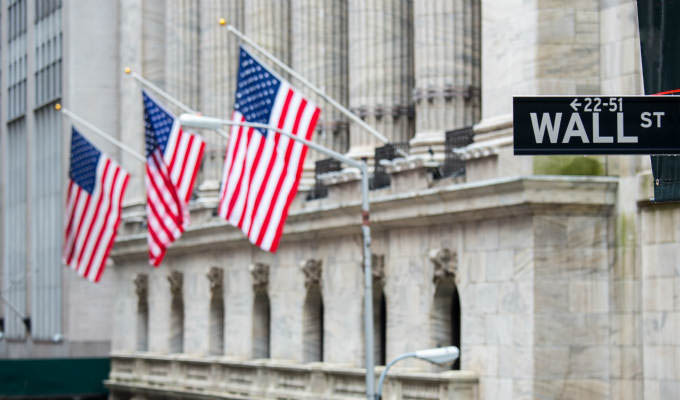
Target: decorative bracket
column 378, row 269
column 176, row 279
column 312, row 271
column 216, row 278
column 260, row 275
column 445, row 266
column 141, row 282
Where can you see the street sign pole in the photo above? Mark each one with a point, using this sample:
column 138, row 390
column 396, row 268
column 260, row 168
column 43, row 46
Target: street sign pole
column 659, row 42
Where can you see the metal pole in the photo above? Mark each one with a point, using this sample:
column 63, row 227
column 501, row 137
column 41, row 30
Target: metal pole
column 368, row 283
column 310, row 85
column 101, row 133
column 212, row 123
column 168, row 97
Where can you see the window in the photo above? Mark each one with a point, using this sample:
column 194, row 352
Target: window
column 142, row 289
column 379, row 326
column 313, row 325
column 216, row 327
column 445, row 318
column 261, row 326
column 176, row 313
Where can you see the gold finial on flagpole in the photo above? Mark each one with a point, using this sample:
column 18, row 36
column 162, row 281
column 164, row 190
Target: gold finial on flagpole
column 223, row 21
column 57, row 106
column 128, row 70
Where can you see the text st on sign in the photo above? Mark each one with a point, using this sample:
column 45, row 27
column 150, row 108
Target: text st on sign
column 596, row 125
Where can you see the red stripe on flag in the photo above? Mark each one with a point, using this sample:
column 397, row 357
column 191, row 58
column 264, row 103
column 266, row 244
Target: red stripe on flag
column 237, row 190
column 95, row 214
column 282, row 177
column 175, row 151
column 115, row 229
column 103, row 227
column 195, row 174
column 272, row 160
column 293, row 192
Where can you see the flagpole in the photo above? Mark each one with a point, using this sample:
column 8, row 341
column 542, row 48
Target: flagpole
column 167, row 96
column 214, row 123
column 314, row 88
column 100, row 132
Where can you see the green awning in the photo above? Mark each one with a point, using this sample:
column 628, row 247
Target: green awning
column 53, row 377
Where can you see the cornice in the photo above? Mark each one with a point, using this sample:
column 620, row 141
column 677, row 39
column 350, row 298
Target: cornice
column 455, row 203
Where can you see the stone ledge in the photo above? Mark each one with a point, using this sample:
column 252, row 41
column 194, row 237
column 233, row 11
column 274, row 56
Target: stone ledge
column 494, row 198
column 219, row 378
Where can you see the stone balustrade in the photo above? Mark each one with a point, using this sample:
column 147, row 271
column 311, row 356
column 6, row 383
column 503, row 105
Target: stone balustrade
column 215, row 377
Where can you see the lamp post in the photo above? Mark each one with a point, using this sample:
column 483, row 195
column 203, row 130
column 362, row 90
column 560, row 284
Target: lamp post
column 198, row 121
column 438, row 355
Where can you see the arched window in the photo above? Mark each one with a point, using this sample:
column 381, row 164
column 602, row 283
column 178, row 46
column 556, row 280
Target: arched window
column 176, row 313
column 313, row 325
column 379, row 326
column 216, row 327
column 141, row 287
column 445, row 315
column 312, row 318
column 446, row 318
column 261, row 326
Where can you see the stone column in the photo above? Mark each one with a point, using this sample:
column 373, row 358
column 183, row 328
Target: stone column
column 181, row 51
column 218, row 66
column 267, row 23
column 153, row 43
column 380, row 71
column 131, row 112
column 319, row 53
column 447, row 70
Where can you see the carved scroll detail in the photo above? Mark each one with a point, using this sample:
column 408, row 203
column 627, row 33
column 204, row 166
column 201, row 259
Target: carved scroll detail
column 141, row 282
column 216, row 278
column 445, row 266
column 176, row 279
column 260, row 276
column 312, row 271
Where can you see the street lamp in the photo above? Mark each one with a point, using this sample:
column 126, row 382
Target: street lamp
column 198, row 121
column 438, row 355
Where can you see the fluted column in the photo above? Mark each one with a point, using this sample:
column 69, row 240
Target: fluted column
column 153, row 43
column 181, row 50
column 319, row 53
column 267, row 23
column 447, row 70
column 380, row 71
column 218, row 66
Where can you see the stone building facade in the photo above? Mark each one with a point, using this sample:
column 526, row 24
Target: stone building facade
column 556, row 276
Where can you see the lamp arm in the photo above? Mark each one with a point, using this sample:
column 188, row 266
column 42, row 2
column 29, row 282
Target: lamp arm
column 383, row 375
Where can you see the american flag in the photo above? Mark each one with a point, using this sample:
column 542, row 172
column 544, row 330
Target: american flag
column 173, row 161
column 93, row 202
column 262, row 168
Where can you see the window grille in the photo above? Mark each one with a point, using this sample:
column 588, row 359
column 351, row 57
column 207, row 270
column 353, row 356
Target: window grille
column 323, row 166
column 454, row 165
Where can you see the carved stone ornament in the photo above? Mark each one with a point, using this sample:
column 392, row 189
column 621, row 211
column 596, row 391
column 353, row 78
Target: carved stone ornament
column 378, row 269
column 445, row 266
column 312, row 270
column 141, row 282
column 216, row 278
column 260, row 276
column 176, row 279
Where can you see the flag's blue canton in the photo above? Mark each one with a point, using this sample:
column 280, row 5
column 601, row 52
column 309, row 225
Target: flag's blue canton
column 255, row 91
column 84, row 159
column 157, row 124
